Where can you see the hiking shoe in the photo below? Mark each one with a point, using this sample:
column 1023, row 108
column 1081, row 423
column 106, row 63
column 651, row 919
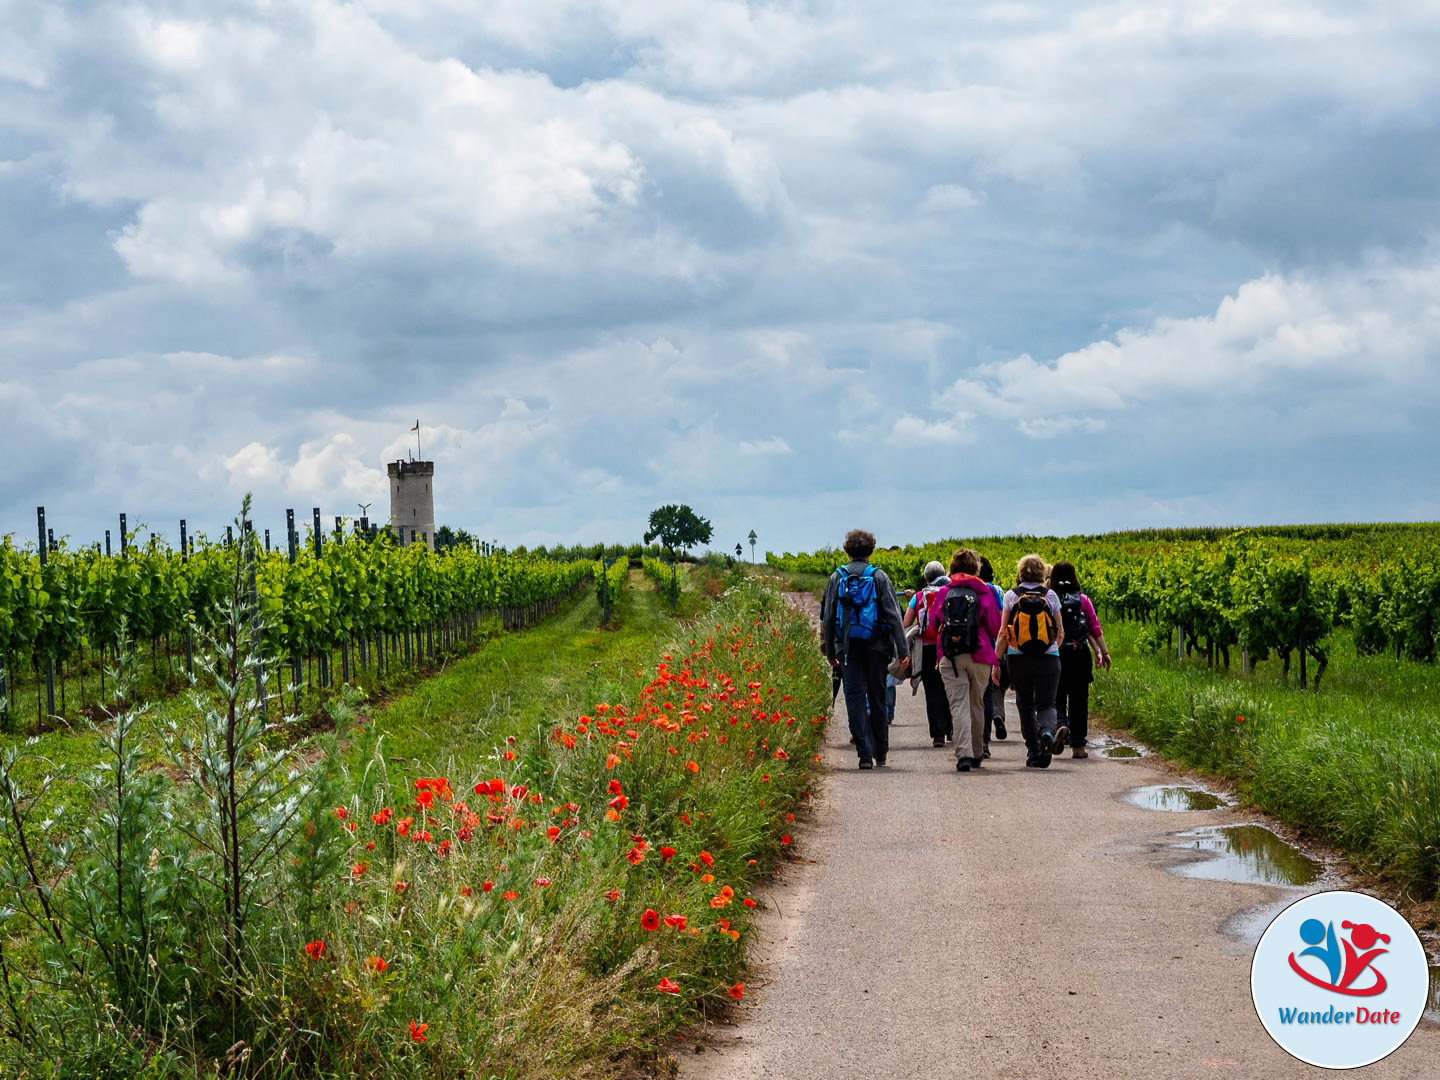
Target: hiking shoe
column 1047, row 746
column 1031, row 762
column 1079, row 752
column 1000, row 731
column 866, row 763
column 879, row 762
column 975, row 762
column 962, row 766
column 1062, row 733
column 939, row 741
column 986, row 752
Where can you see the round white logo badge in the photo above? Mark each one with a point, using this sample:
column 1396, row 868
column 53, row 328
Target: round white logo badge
column 1339, row 980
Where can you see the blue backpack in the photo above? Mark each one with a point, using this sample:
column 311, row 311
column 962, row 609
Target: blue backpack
column 856, row 606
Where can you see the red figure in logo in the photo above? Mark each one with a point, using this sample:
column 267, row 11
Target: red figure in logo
column 1363, row 936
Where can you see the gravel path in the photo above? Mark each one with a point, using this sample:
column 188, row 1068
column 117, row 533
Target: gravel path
column 1001, row 923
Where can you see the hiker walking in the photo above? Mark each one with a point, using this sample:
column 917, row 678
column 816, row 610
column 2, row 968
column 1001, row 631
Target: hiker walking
column 967, row 618
column 861, row 630
column 937, row 708
column 1082, row 632
column 1030, row 636
column 995, row 691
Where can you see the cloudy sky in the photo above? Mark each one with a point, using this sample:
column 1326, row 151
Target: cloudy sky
column 932, row 268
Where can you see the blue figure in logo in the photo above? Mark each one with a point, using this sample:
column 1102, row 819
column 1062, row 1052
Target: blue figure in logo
column 1312, row 932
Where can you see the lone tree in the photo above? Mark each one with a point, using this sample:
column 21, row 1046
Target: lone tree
column 678, row 528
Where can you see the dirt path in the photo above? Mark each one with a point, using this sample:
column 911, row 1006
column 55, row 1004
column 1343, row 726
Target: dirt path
column 1002, row 923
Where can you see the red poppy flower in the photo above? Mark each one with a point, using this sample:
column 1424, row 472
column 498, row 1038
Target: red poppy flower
column 650, row 920
column 543, row 882
column 553, row 833
column 377, row 965
column 619, row 802
column 401, row 886
column 358, row 870
column 383, row 817
column 509, row 755
column 417, row 1031
column 785, row 839
column 707, row 858
column 612, row 895
column 614, row 787
column 749, row 902
column 675, row 922
column 668, row 987
column 666, row 854
column 315, row 950
column 737, row 991
column 341, row 813
column 509, row 894
column 692, row 766
column 487, row 886
column 636, row 856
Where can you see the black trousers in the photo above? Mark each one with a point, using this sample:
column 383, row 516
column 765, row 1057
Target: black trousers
column 937, row 705
column 864, row 677
column 995, row 699
column 1036, row 679
column 1072, row 699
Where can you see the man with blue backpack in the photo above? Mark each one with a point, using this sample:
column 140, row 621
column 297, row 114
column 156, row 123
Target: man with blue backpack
column 861, row 629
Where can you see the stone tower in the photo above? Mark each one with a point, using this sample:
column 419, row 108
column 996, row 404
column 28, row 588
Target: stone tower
column 412, row 500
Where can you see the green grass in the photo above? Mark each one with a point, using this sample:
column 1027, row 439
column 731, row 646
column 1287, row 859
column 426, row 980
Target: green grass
column 517, row 684
column 1356, row 764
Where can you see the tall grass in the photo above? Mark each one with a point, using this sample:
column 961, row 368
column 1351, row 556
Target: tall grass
column 1356, row 764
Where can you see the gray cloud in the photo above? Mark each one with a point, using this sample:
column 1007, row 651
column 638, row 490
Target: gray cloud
column 797, row 264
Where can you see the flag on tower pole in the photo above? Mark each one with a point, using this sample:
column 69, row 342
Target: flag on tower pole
column 416, row 429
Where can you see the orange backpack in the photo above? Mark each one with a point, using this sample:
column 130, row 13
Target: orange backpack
column 1032, row 624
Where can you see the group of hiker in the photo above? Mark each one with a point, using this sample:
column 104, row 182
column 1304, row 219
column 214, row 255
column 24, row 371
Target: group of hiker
column 966, row 641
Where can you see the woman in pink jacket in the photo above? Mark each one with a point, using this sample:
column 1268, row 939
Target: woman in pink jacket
column 966, row 619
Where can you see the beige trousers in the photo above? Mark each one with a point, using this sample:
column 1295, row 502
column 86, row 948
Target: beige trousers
column 965, row 682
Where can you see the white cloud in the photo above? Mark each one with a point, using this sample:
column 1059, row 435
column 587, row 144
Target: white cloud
column 1278, row 335
column 254, row 463
column 914, row 431
column 947, row 198
column 765, row 447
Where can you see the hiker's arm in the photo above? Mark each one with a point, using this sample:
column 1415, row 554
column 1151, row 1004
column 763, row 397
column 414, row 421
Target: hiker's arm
column 827, row 620
column 1097, row 632
column 890, row 613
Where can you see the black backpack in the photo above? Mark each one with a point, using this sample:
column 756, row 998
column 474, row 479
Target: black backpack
column 960, row 626
column 1073, row 618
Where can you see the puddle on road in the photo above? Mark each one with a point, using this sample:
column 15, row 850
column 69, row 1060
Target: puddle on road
column 1248, row 854
column 1432, row 1009
column 1183, row 799
column 1121, row 751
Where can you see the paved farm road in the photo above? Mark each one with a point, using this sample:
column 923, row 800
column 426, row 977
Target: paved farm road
column 1005, row 923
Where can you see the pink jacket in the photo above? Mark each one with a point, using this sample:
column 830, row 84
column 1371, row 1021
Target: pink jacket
column 989, row 614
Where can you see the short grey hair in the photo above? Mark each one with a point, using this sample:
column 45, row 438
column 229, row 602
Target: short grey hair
column 934, row 571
